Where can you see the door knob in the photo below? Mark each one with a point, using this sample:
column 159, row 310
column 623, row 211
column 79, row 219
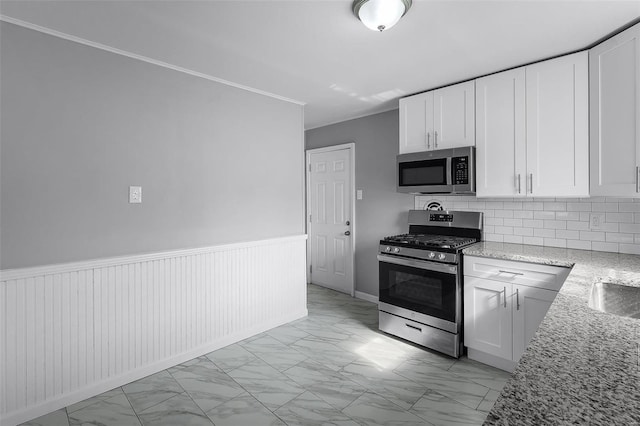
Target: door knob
column 348, row 223
column 347, row 233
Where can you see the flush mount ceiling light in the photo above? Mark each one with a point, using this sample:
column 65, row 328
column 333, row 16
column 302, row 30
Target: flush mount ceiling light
column 380, row 15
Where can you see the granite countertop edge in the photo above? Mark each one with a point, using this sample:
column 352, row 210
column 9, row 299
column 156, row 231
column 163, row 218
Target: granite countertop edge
column 583, row 365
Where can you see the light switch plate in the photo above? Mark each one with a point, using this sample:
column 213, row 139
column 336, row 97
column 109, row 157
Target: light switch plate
column 359, row 194
column 135, row 194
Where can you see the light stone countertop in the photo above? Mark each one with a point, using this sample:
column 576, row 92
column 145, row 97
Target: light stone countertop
column 582, row 366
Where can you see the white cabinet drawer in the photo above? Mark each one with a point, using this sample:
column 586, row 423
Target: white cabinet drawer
column 522, row 273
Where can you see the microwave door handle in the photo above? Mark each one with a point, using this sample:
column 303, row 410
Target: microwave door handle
column 449, row 177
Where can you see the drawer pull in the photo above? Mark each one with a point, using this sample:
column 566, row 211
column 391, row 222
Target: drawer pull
column 509, row 272
column 414, row 327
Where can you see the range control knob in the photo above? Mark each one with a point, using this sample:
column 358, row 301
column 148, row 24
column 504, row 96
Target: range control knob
column 441, row 256
column 396, row 250
column 432, row 255
column 387, row 249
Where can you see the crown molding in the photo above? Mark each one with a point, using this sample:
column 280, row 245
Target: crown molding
column 142, row 58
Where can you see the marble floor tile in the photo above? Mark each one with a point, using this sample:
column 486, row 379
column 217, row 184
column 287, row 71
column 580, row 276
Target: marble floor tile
column 179, row 410
column 325, row 383
column 458, row 388
column 152, row 390
column 266, row 384
column 90, row 401
column 275, row 353
column 489, row 400
column 231, row 357
column 309, row 410
column 56, row 418
column 442, row 411
column 244, row 410
column 391, row 386
column 205, row 383
column 480, row 373
column 374, row 410
column 324, row 351
column 287, row 334
column 115, row 411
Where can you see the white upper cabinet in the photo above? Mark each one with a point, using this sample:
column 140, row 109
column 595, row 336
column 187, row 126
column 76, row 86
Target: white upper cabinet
column 615, row 115
column 500, row 134
column 439, row 119
column 454, row 116
column 532, row 130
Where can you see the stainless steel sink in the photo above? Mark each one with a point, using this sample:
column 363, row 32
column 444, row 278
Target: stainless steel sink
column 615, row 299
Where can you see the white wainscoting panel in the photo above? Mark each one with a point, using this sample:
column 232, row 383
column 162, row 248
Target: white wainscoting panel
column 72, row 331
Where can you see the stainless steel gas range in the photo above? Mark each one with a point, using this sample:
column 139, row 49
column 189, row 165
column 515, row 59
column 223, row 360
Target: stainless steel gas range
column 420, row 279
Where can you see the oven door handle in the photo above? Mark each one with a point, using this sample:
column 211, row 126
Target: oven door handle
column 420, row 264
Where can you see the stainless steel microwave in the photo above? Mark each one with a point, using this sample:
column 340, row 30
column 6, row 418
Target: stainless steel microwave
column 443, row 171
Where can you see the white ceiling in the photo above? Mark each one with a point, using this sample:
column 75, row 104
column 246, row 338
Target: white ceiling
column 318, row 53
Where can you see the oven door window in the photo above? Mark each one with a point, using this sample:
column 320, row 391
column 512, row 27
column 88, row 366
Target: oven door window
column 428, row 292
column 421, row 173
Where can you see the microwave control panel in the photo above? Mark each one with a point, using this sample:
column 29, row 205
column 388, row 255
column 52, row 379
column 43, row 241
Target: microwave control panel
column 460, row 166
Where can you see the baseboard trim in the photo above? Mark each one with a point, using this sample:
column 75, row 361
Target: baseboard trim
column 366, row 296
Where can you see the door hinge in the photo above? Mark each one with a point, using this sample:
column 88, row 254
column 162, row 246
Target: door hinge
column 309, row 218
column 310, row 269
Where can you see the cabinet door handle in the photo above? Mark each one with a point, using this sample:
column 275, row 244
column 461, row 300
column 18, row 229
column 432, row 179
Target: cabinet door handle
column 637, row 178
column 436, row 138
column 509, row 272
column 531, row 179
column 504, row 294
column 428, row 140
column 519, row 188
column 517, row 299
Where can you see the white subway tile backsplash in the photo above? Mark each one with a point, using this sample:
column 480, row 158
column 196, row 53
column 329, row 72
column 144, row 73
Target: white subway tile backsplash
column 616, row 237
column 630, row 227
column 556, row 222
column 579, row 207
column 555, row 242
column 592, row 235
column 555, row 206
column 568, row 215
column 512, row 222
column 526, row 214
column 504, row 230
column 604, row 207
column 515, row 239
column 619, row 217
column 579, row 244
column 526, row 232
column 536, row 241
column 544, row 215
column 494, row 221
column 504, row 213
column 569, row 235
column 533, row 223
column 629, row 207
column 546, row 233
column 629, row 248
column 578, row 226
column 600, row 246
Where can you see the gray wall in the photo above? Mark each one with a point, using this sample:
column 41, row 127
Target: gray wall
column 80, row 125
column 382, row 211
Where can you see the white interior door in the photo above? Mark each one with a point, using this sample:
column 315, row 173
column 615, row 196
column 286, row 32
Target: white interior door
column 330, row 209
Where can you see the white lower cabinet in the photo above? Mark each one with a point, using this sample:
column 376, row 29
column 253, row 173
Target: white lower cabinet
column 504, row 303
